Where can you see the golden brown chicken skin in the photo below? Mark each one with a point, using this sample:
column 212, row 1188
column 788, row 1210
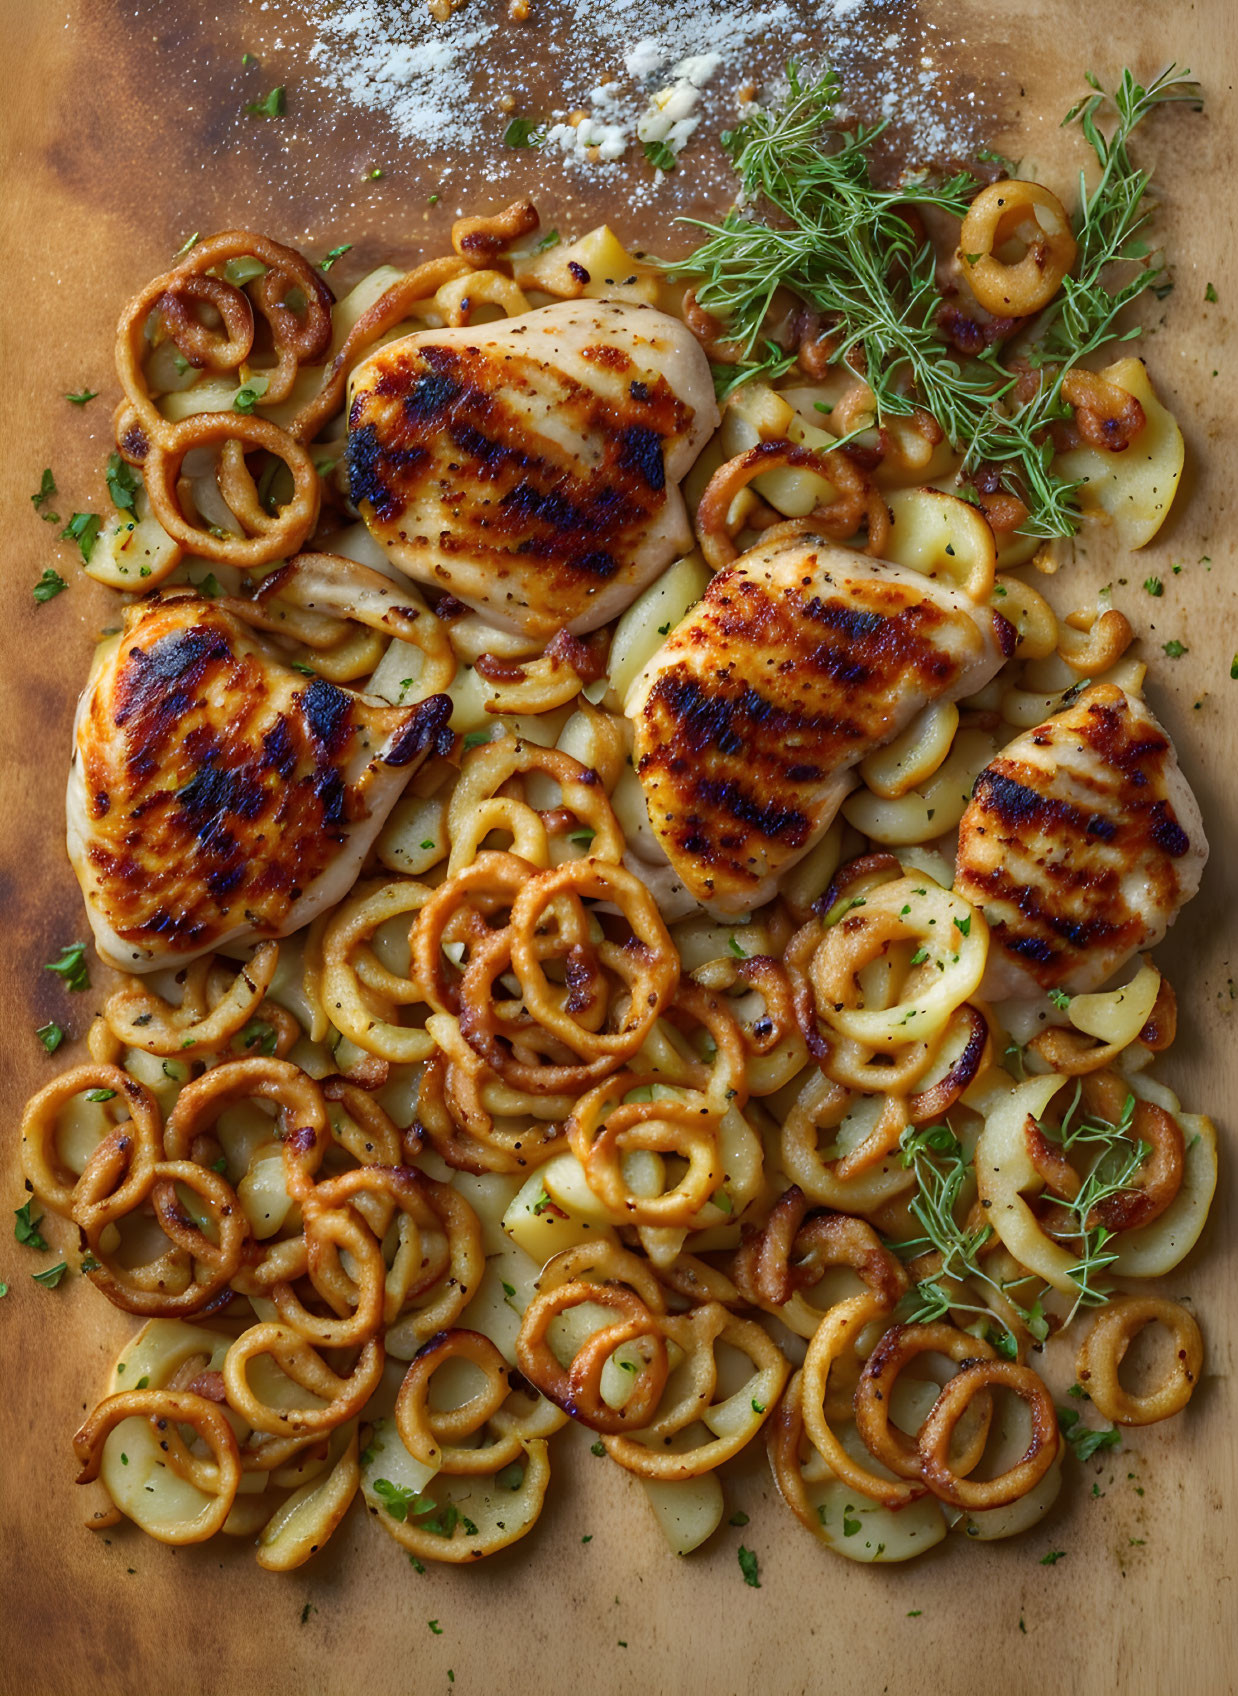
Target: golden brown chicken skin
column 530, row 468
column 800, row 659
column 1080, row 843
column 215, row 793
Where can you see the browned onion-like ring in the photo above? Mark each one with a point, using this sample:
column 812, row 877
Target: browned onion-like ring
column 274, row 535
column 791, row 1253
column 839, row 519
column 1115, row 1328
column 202, row 346
column 649, row 962
column 300, row 1362
column 165, row 1408
column 578, row 1392
column 899, row 1345
column 53, row 1182
column 294, row 338
column 1160, row 1176
column 193, row 1270
column 435, row 1436
column 305, row 1129
column 950, row 1406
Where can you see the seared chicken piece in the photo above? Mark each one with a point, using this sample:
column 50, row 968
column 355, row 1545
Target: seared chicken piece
column 531, row 467
column 1081, row 842
column 216, row 794
column 800, row 659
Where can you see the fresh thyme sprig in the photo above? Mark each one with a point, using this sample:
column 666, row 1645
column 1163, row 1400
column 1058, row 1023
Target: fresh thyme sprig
column 810, row 219
column 1118, row 1159
column 943, row 1175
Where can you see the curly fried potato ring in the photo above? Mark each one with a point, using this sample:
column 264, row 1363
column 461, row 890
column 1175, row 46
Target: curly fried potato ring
column 457, row 913
column 194, row 1268
column 327, row 1232
column 306, row 1129
column 822, row 1105
column 934, row 1439
column 358, row 993
column 1159, row 1177
column 1104, row 1348
column 774, row 1050
column 733, row 1422
column 998, row 213
column 835, row 1337
column 339, row 1398
column 295, row 338
column 790, row 1253
column 434, row 1437
column 273, row 535
column 648, row 963
column 899, row 1345
column 450, row 1278
column 476, row 807
column 163, row 1408
column 580, row 1395
column 603, row 1129
column 55, row 1183
column 855, row 500
column 951, row 941
column 143, row 1019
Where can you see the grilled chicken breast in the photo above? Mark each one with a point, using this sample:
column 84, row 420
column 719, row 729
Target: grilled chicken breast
column 1081, row 842
column 216, row 794
column 800, row 659
column 531, row 467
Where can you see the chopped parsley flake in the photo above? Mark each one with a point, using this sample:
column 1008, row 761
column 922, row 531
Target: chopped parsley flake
column 335, row 253
column 523, row 132
column 122, row 485
column 50, row 1276
column 82, row 397
column 748, row 1566
column 49, row 586
column 71, row 966
column 272, row 107
column 83, row 528
column 1176, row 649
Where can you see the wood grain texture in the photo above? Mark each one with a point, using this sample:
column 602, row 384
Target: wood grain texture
column 120, row 136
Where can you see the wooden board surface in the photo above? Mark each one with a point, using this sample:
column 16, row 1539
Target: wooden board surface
column 121, row 136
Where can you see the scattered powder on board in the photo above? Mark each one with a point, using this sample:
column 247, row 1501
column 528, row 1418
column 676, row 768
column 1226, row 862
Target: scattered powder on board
column 625, row 75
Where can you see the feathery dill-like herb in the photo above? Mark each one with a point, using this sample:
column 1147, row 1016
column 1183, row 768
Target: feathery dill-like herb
column 810, row 219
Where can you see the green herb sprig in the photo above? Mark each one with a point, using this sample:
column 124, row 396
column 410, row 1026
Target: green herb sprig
column 809, row 218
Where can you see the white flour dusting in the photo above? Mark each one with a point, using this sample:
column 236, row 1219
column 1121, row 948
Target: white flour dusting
column 624, row 74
